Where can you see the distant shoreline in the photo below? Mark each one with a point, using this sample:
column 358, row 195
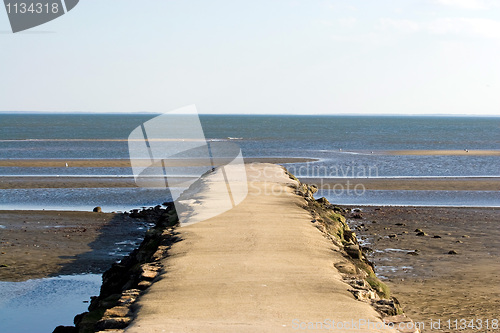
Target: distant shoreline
column 412, row 184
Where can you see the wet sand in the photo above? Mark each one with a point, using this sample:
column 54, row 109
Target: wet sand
column 36, row 244
column 429, row 184
column 450, row 152
column 446, row 152
column 436, row 184
column 125, row 163
column 435, row 284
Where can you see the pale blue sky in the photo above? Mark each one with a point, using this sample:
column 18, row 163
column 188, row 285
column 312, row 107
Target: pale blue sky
column 274, row 56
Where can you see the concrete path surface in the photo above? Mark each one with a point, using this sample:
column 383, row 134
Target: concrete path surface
column 260, row 267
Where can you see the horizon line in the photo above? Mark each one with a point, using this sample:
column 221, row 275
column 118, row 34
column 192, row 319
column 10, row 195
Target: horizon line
column 258, row 114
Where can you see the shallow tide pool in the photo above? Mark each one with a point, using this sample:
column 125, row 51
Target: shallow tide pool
column 40, row 305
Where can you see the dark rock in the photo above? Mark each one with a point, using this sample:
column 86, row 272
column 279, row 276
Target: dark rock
column 400, row 224
column 419, row 230
column 366, row 249
column 393, row 236
column 97, row 209
column 323, row 201
column 353, row 251
column 421, row 234
column 389, row 307
column 113, row 323
column 436, row 236
column 412, row 253
column 65, row 329
column 452, row 252
column 465, row 236
column 350, row 236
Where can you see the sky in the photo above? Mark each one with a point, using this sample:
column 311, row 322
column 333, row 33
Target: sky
column 258, row 57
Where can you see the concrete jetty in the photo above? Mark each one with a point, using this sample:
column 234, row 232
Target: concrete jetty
column 259, row 267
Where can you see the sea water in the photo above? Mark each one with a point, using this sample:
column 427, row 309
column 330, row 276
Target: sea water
column 40, row 305
column 342, row 145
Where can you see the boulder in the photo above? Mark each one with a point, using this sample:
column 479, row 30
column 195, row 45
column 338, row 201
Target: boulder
column 65, row 329
column 353, row 251
column 97, row 209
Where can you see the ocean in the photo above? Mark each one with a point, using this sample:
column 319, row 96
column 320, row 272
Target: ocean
column 341, row 146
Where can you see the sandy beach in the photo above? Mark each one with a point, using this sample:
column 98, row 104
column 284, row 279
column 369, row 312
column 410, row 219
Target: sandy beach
column 434, row 284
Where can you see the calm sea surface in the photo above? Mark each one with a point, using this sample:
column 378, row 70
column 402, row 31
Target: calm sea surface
column 343, row 146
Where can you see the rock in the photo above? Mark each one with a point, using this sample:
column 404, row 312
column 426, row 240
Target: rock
column 350, row 236
column 400, row 224
column 346, row 268
column 436, row 236
column 419, row 230
column 116, row 311
column 465, row 236
column 357, row 216
column 366, row 249
column 65, row 329
column 353, row 251
column 323, row 201
column 421, row 234
column 132, row 292
column 144, row 285
column 393, row 236
column 97, row 209
column 149, row 275
column 364, row 294
column 113, row 323
column 412, row 253
column 3, row 266
column 359, row 284
column 386, row 306
column 458, row 241
column 452, row 252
